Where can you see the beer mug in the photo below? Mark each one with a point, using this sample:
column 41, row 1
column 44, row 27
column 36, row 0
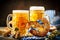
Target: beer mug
column 40, row 20
column 36, row 13
column 19, row 20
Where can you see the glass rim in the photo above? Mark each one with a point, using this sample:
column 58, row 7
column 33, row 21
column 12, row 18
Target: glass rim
column 18, row 11
column 37, row 8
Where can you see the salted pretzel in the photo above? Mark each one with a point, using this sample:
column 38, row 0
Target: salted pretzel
column 43, row 27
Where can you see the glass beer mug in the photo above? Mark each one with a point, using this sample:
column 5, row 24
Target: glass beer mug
column 36, row 12
column 19, row 20
column 42, row 24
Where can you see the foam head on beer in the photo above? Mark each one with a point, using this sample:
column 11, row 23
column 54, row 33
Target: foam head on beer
column 18, row 11
column 37, row 8
column 36, row 13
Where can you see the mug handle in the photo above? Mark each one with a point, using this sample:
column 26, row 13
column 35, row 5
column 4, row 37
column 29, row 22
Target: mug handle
column 8, row 21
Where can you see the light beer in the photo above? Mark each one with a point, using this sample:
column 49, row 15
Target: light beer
column 36, row 13
column 19, row 20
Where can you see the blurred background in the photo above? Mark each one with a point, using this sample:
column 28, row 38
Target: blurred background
column 6, row 7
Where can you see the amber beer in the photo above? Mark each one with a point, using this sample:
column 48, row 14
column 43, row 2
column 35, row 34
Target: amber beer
column 36, row 13
column 19, row 20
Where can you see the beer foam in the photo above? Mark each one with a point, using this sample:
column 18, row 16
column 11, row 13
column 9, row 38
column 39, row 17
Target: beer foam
column 37, row 8
column 20, row 11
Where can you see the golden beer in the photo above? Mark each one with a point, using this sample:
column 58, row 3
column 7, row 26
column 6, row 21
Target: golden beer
column 19, row 20
column 36, row 13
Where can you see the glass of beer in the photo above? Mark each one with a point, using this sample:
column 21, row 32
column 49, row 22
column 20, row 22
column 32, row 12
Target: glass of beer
column 19, row 20
column 36, row 16
column 36, row 13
